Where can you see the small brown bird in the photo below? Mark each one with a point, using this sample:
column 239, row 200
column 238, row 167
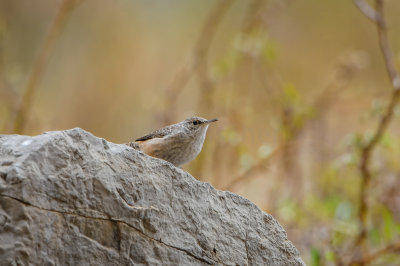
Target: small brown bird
column 178, row 143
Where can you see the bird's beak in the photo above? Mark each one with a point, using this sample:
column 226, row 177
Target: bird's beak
column 210, row 121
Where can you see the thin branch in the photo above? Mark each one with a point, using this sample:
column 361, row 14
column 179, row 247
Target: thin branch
column 40, row 65
column 385, row 47
column 368, row 11
column 253, row 18
column 7, row 92
column 344, row 72
column 365, row 162
column 384, row 122
column 377, row 16
column 207, row 85
column 198, row 54
column 368, row 258
column 250, row 173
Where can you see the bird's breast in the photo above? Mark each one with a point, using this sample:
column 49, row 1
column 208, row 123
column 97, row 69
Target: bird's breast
column 178, row 149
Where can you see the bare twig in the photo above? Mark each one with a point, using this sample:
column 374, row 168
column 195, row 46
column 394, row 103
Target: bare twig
column 39, row 66
column 384, row 122
column 198, row 54
column 253, row 18
column 250, row 173
column 368, row 11
column 207, row 85
column 385, row 47
column 368, row 258
column 7, row 93
column 377, row 16
column 344, row 72
column 365, row 159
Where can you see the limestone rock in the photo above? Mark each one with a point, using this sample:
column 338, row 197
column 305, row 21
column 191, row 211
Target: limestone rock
column 70, row 198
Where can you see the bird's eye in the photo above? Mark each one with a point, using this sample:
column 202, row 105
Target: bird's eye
column 196, row 122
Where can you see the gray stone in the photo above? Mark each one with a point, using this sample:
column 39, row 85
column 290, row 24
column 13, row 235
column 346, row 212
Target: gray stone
column 70, row 198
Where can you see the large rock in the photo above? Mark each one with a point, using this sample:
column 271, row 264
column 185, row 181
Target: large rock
column 70, row 198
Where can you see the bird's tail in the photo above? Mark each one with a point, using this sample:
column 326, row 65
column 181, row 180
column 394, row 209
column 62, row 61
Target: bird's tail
column 134, row 145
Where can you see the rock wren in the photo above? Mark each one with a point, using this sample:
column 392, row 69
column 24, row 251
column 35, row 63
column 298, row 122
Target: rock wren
column 178, row 143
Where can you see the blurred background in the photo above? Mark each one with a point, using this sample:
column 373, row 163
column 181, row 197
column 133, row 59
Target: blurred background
column 298, row 86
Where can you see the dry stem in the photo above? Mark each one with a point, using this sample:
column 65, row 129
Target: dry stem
column 198, row 56
column 368, row 258
column 384, row 122
column 343, row 75
column 40, row 65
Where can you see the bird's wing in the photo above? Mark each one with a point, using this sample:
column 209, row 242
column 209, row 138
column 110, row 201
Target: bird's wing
column 160, row 133
column 155, row 134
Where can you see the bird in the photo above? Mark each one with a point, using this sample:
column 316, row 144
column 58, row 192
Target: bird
column 178, row 143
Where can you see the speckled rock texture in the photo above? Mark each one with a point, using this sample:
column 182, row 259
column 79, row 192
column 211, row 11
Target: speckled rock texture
column 70, row 198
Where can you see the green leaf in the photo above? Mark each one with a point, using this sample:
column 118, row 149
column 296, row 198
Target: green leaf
column 315, row 257
column 246, row 161
column 344, row 211
column 388, row 225
column 374, row 236
column 330, row 256
column 291, row 93
column 231, row 136
column 264, row 151
column 269, row 51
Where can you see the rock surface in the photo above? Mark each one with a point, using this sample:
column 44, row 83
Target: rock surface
column 70, row 198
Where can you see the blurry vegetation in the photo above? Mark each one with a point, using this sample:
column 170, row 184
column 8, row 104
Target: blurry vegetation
column 308, row 119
